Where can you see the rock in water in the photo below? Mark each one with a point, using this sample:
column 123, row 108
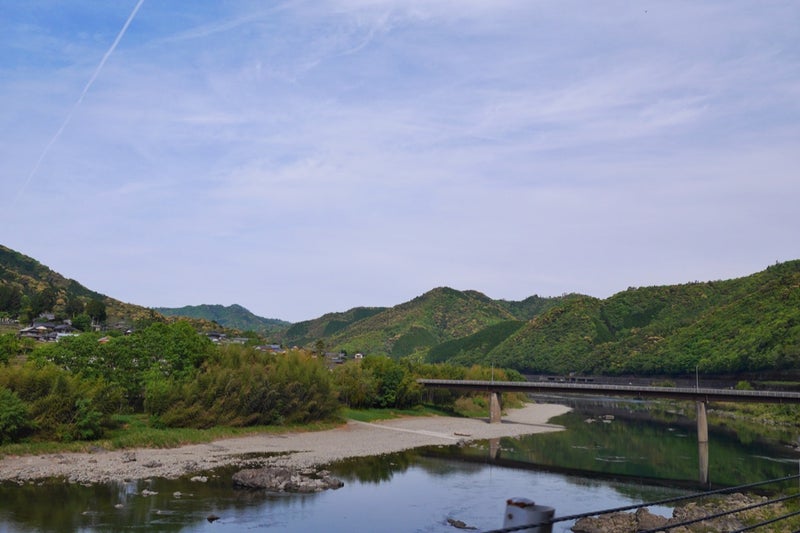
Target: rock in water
column 458, row 524
column 283, row 479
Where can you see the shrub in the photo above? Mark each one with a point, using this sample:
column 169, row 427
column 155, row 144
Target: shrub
column 14, row 418
column 61, row 405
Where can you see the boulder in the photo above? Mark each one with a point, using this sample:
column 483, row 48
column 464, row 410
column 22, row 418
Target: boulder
column 284, row 479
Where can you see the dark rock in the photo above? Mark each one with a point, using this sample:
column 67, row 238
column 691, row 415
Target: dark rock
column 212, row 518
column 283, row 479
column 458, row 524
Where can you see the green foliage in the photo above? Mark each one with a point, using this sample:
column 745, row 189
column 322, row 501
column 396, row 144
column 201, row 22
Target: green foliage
column 473, row 348
column 239, row 386
column 721, row 327
column 10, row 299
column 306, row 332
column 558, row 341
column 356, row 385
column 396, row 386
column 10, row 346
column 82, row 322
column 174, row 350
column 62, row 406
column 14, row 417
column 437, row 316
column 412, row 339
column 96, row 309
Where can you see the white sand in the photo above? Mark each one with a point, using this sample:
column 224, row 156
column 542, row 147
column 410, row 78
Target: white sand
column 354, row 439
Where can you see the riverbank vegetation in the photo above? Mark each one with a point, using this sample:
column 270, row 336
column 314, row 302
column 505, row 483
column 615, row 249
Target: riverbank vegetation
column 159, row 385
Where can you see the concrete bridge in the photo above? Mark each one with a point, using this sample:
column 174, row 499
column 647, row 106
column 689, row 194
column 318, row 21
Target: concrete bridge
column 701, row 397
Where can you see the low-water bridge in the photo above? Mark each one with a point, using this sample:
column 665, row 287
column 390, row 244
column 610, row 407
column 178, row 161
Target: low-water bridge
column 701, row 397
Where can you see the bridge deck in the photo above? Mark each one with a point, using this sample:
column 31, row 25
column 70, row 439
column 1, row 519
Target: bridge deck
column 677, row 393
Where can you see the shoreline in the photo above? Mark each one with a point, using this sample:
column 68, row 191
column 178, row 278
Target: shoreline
column 302, row 450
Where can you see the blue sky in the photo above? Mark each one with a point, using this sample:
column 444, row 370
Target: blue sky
column 304, row 157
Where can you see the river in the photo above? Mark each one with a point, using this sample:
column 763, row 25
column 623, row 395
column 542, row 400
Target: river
column 603, row 460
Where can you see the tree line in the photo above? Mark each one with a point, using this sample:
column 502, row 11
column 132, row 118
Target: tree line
column 73, row 389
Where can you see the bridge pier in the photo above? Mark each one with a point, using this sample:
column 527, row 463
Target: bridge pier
column 702, row 442
column 494, row 408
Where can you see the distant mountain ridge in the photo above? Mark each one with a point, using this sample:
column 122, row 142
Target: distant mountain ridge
column 439, row 315
column 233, row 316
column 724, row 327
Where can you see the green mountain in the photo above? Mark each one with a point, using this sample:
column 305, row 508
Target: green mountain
column 233, row 316
column 28, row 288
column 440, row 315
column 308, row 332
column 750, row 324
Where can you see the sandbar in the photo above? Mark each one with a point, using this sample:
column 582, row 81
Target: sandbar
column 298, row 449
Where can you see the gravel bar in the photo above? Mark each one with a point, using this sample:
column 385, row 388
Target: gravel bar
column 299, row 449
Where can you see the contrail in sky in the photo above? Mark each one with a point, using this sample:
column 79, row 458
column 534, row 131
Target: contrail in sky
column 78, row 101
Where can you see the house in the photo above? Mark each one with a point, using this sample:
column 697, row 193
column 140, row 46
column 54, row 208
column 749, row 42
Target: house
column 216, row 336
column 46, row 331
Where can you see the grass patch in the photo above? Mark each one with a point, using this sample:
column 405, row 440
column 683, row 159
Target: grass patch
column 372, row 415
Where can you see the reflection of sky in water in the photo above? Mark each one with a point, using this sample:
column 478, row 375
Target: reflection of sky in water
column 420, row 498
column 416, row 500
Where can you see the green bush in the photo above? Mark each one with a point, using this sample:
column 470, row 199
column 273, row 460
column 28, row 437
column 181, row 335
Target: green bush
column 61, row 405
column 239, row 386
column 14, row 417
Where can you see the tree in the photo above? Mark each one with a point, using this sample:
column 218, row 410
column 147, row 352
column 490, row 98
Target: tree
column 82, row 322
column 44, row 301
column 96, row 309
column 74, row 307
column 356, row 385
column 319, row 347
column 10, row 299
column 10, row 346
column 14, row 416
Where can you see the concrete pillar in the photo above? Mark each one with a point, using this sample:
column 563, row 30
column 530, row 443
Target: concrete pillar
column 702, row 442
column 494, row 408
column 702, row 459
column 702, row 422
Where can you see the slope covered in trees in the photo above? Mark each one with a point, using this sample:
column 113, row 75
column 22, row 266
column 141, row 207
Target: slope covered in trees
column 750, row 324
column 439, row 315
column 28, row 288
column 308, row 332
column 232, row 316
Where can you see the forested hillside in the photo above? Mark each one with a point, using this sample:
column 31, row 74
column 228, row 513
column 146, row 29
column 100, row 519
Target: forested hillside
column 748, row 324
column 440, row 315
column 28, row 288
column 233, row 316
column 310, row 331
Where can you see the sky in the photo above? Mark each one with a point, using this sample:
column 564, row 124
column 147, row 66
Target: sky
column 305, row 157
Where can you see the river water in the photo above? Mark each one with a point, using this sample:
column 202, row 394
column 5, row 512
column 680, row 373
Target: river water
column 598, row 463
